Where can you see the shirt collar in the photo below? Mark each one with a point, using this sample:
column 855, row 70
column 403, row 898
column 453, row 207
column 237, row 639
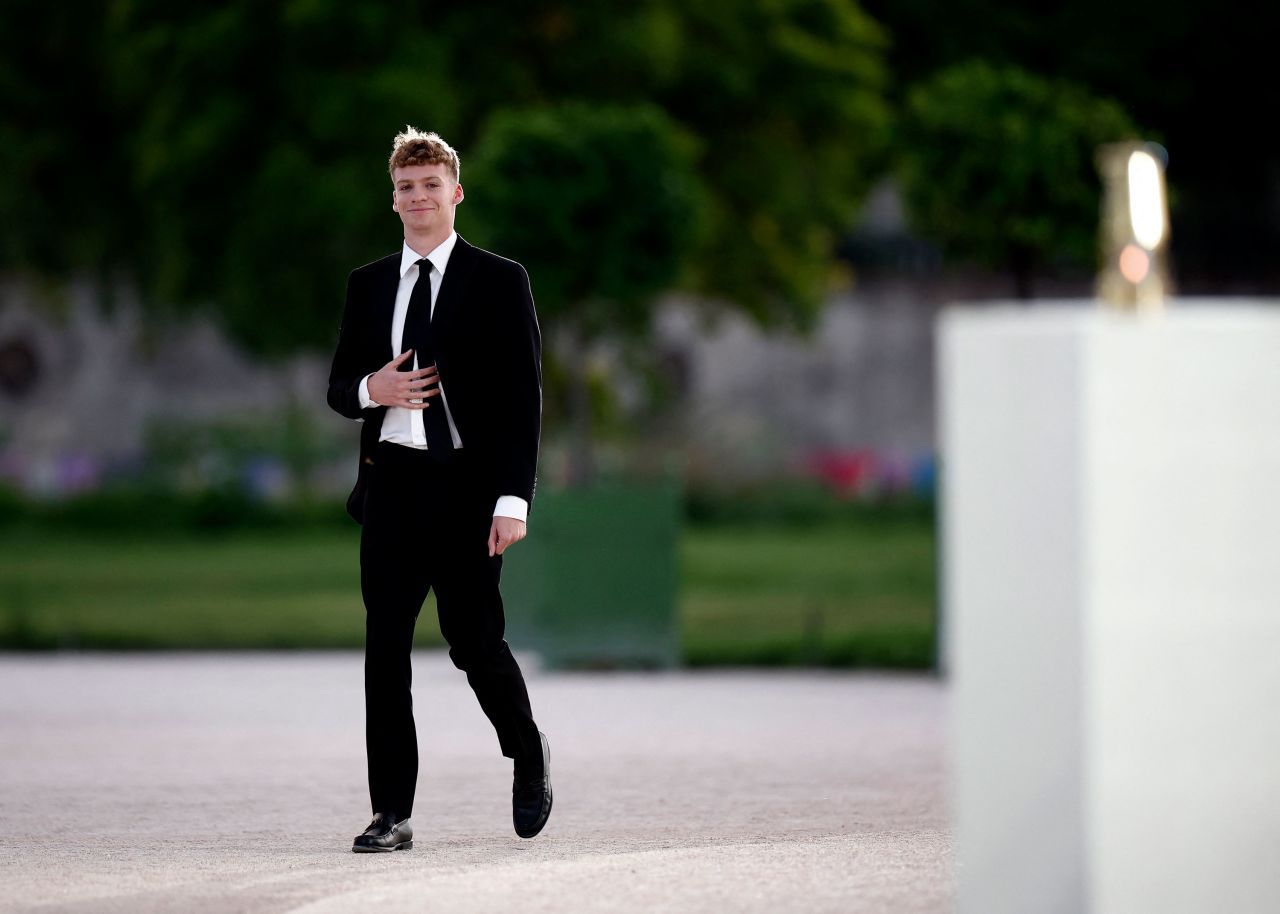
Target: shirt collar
column 439, row 257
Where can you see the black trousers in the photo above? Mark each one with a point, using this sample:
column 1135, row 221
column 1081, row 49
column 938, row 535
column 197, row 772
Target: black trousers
column 426, row 527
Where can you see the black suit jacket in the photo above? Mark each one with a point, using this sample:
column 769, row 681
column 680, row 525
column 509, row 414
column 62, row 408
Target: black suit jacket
column 488, row 350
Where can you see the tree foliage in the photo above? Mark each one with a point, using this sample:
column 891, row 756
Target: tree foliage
column 998, row 165
column 61, row 188
column 257, row 147
column 233, row 151
column 1188, row 69
column 600, row 203
column 788, row 100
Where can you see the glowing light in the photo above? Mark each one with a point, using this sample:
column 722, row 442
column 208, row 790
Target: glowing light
column 1135, row 263
column 1146, row 200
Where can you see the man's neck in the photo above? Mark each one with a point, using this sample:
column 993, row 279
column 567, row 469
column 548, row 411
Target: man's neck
column 424, row 244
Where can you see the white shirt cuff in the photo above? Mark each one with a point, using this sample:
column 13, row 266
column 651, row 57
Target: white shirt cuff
column 511, row 506
column 365, row 400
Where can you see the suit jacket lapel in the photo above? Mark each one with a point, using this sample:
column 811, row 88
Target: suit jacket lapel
column 456, row 277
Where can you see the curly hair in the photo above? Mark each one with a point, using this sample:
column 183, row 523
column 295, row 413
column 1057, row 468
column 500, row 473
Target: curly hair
column 413, row 147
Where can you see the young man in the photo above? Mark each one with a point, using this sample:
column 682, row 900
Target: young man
column 439, row 356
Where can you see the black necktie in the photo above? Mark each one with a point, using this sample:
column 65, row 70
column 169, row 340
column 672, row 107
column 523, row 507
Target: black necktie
column 417, row 336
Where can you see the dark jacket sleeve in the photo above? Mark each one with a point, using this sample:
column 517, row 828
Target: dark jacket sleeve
column 519, row 346
column 344, row 375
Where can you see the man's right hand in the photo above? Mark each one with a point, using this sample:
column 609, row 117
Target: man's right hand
column 389, row 386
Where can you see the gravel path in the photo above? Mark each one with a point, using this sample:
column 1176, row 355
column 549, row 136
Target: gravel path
column 219, row 783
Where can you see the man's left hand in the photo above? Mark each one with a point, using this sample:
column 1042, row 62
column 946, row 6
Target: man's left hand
column 503, row 532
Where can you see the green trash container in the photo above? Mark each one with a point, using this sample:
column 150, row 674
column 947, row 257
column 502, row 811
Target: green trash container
column 594, row 583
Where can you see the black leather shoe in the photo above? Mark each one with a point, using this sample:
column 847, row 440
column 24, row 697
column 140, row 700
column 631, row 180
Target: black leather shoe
column 384, row 834
column 531, row 793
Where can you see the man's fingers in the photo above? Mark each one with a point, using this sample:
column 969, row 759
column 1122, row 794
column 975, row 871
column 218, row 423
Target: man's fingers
column 404, row 389
column 504, row 533
column 417, row 394
column 407, row 399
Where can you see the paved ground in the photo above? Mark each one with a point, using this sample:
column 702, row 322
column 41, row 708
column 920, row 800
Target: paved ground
column 212, row 783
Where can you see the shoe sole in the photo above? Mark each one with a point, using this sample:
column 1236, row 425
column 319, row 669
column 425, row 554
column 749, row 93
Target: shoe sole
column 402, row 846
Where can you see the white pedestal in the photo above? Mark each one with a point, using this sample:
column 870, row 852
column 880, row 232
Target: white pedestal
column 1111, row 603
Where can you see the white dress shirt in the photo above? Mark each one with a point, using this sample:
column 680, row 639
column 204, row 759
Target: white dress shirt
column 404, row 426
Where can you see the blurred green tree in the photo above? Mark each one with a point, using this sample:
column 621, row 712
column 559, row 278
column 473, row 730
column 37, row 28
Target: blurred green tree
column 61, row 189
column 998, row 165
column 234, row 148
column 255, row 136
column 1184, row 67
column 601, row 204
column 786, row 99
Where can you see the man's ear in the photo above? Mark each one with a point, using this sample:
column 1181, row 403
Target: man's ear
column 394, row 207
column 457, row 194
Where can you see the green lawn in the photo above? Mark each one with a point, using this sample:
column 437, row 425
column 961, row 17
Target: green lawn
column 832, row 595
column 259, row 589
column 839, row 594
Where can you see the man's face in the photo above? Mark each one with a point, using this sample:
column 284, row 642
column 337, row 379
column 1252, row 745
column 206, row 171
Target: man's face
column 425, row 197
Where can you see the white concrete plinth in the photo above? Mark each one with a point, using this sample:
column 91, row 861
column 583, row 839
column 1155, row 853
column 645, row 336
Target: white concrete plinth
column 1111, row 605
